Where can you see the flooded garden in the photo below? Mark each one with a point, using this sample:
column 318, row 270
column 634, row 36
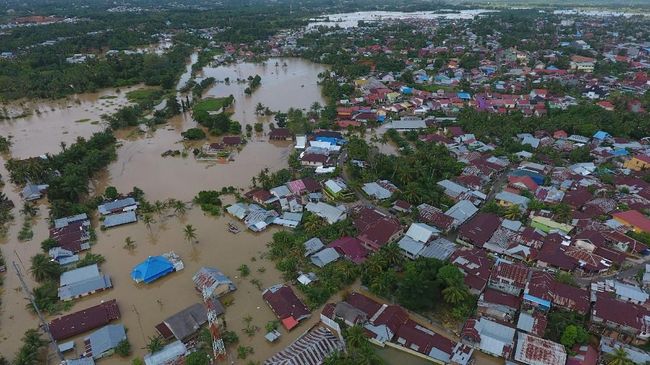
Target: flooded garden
column 47, row 127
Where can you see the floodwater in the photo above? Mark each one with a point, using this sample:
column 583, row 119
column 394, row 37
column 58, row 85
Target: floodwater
column 140, row 164
column 351, row 20
column 286, row 82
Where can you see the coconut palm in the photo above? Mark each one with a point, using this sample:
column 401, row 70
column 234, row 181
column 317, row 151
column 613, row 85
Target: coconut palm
column 148, row 221
column 179, row 207
column 512, row 212
column 190, row 233
column 155, row 344
column 453, row 294
column 43, row 268
column 355, row 337
column 619, row 357
column 392, row 254
column 129, row 243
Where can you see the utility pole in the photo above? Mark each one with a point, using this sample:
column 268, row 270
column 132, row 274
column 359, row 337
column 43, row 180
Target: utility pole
column 44, row 324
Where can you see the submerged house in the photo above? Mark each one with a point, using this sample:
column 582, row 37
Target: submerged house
column 184, row 324
column 118, row 206
column 155, row 267
column 83, row 281
column 211, row 282
column 286, row 305
column 119, row 219
column 84, row 320
column 103, row 342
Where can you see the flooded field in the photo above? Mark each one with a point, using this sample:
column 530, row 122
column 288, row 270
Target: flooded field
column 140, row 164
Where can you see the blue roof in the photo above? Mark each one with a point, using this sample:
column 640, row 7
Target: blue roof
column 406, row 90
column 534, row 299
column 465, row 96
column 152, row 269
column 553, row 68
column 330, row 140
column 601, row 135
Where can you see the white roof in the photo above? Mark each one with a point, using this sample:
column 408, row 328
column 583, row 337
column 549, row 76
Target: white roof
column 410, row 246
column 630, row 291
column 451, row 188
column 421, row 232
column 80, row 274
column 375, row 190
column 462, row 211
column 439, row 248
column 170, row 352
column 301, row 142
column 313, row 245
column 330, row 213
column 325, row 257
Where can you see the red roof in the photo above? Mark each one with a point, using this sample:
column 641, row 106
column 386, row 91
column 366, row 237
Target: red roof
column 351, row 248
column 516, row 275
column 542, row 285
column 525, row 181
column 634, row 219
column 285, row 304
column 425, row 340
column 84, row 320
column 363, row 303
column 620, row 312
column 479, row 229
column 375, row 228
column 497, row 297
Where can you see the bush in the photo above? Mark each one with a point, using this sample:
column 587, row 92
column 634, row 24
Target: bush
column 123, row 348
column 209, row 201
column 193, row 134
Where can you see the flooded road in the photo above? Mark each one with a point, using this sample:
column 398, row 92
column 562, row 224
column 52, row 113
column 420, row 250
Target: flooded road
column 140, row 164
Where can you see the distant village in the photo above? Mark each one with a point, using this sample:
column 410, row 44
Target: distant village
column 548, row 227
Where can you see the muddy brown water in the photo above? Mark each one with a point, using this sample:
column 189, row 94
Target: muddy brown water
column 140, row 164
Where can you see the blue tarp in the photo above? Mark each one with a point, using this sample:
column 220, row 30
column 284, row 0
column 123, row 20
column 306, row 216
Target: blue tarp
column 406, row 90
column 330, row 140
column 620, row 152
column 544, row 303
column 537, row 178
column 152, row 269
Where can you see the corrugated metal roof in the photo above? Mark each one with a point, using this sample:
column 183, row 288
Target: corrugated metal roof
column 114, row 220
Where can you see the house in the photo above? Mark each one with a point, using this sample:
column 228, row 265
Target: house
column 351, row 248
column 478, row 230
column 312, row 246
column 630, row 293
column 548, row 225
column 461, row 211
column 172, row 354
column 533, row 350
column 62, row 256
column 509, row 278
column 534, row 323
column 488, row 336
column 232, row 141
column 211, row 282
column 312, row 348
column 285, row 304
column 374, row 190
column 416, row 238
column 324, row 257
column 631, row 319
column 638, row 163
column 82, row 281
column 498, row 305
column 452, row 189
column 119, row 219
column 634, row 219
column 103, row 342
column 543, row 291
column 440, row 249
column 507, row 199
column 186, row 323
column 314, row 160
column 76, row 323
column 328, row 212
column 118, row 206
column 280, row 134
column 375, row 229
column 155, row 267
column 33, row 191
column 584, row 355
column 608, row 346
column 336, row 189
column 417, row 338
column 475, row 266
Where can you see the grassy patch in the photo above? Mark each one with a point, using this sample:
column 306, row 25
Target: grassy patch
column 108, row 97
column 209, row 105
column 145, row 97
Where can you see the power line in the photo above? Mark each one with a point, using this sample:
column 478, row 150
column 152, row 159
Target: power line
column 44, row 324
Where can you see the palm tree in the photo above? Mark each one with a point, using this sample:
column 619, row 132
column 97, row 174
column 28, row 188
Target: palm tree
column 158, row 207
column 190, row 233
column 129, row 243
column 43, row 268
column 392, row 254
column 512, row 212
column 619, row 357
column 355, row 337
column 155, row 344
column 179, row 207
column 453, row 294
column 148, row 221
